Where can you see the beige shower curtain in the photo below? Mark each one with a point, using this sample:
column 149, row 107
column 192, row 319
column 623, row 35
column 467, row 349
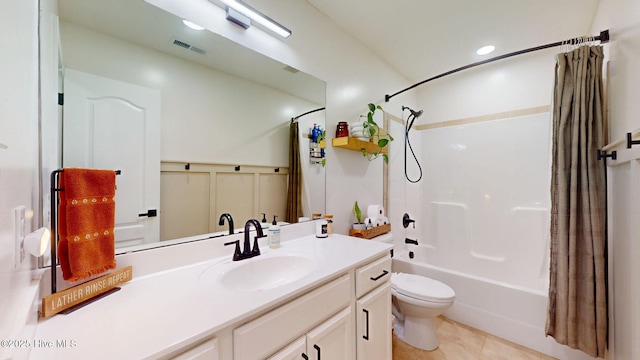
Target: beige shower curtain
column 294, row 188
column 577, row 309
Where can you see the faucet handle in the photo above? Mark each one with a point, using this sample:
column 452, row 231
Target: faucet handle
column 237, row 255
column 406, row 220
column 256, row 249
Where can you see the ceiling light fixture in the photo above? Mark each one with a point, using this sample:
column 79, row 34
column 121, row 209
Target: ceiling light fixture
column 258, row 17
column 485, row 50
column 191, row 25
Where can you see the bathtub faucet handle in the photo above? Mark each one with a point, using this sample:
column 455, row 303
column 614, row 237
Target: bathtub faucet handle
column 406, row 220
column 410, row 241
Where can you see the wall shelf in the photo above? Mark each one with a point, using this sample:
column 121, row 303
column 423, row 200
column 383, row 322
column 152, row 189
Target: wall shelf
column 354, row 144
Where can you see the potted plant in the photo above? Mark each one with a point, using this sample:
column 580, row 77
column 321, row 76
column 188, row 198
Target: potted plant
column 379, row 136
column 358, row 225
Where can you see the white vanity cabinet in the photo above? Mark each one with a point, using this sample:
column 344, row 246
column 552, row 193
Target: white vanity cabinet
column 373, row 310
column 333, row 339
column 306, row 315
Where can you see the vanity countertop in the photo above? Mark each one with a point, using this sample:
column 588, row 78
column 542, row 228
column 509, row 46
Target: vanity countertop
column 157, row 314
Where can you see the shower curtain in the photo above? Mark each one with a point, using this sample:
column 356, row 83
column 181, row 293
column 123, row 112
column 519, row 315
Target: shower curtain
column 577, row 308
column 294, row 188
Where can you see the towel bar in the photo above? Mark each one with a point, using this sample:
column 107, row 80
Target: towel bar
column 55, row 177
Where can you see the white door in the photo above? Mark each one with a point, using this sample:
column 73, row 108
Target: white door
column 373, row 322
column 110, row 124
column 333, row 339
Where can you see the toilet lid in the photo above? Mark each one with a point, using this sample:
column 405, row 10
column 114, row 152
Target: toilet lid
column 422, row 288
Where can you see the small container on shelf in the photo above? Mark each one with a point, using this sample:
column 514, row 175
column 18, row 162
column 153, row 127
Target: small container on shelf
column 342, row 130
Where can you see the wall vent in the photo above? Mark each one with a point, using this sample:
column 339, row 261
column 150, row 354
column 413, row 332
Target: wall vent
column 186, row 45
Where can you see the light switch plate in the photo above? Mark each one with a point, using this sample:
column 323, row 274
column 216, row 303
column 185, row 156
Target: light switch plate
column 19, row 232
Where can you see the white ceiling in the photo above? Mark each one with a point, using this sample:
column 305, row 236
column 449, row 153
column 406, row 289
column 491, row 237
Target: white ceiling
column 424, row 38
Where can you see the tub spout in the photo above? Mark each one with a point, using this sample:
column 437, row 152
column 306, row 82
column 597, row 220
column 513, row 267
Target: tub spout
column 410, row 241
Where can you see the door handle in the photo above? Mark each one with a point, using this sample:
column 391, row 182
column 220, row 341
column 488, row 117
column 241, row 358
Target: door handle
column 149, row 213
column 366, row 312
column 304, row 356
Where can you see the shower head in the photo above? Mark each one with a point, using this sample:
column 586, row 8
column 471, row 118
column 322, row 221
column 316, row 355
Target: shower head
column 416, row 114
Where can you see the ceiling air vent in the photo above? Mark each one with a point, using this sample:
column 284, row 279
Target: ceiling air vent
column 188, row 46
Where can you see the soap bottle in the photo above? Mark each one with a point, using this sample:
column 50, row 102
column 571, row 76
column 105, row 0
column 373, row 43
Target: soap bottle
column 274, row 234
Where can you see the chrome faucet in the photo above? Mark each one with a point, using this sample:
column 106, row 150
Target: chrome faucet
column 247, row 251
column 229, row 221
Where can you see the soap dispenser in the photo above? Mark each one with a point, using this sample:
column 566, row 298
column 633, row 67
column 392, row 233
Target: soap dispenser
column 274, row 234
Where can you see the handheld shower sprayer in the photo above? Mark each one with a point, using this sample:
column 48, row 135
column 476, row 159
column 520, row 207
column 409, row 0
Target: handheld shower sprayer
column 410, row 119
column 415, row 114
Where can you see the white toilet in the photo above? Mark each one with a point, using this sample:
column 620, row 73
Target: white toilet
column 417, row 301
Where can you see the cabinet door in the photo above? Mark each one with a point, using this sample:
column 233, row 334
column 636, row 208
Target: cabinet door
column 208, row 350
column 333, row 339
column 295, row 351
column 373, row 323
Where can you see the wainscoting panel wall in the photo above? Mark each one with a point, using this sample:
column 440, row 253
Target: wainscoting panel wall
column 194, row 195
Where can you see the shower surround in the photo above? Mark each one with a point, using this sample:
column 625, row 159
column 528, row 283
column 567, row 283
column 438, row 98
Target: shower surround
column 482, row 215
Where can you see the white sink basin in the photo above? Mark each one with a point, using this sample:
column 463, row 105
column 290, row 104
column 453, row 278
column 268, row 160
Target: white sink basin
column 262, row 272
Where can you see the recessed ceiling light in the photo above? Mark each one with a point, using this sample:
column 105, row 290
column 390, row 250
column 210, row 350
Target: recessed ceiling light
column 192, row 25
column 485, row 50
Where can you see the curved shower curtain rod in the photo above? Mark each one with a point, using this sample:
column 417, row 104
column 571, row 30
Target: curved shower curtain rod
column 307, row 113
column 603, row 38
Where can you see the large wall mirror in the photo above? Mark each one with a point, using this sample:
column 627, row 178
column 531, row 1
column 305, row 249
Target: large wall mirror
column 197, row 121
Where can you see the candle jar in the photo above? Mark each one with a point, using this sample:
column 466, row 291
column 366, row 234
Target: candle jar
column 342, row 130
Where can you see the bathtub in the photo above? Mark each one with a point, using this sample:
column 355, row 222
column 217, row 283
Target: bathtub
column 512, row 312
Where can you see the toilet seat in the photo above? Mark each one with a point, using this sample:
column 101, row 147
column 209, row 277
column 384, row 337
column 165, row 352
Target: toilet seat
column 422, row 288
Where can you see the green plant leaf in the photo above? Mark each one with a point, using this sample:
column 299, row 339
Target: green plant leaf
column 386, row 158
column 357, row 212
column 383, row 142
column 372, row 108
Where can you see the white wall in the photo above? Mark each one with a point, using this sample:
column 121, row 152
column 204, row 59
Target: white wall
column 19, row 169
column 623, row 54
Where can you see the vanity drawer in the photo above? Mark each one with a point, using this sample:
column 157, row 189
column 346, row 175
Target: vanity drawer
column 372, row 275
column 263, row 336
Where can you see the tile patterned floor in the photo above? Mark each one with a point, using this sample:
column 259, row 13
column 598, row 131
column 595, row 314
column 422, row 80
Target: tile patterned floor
column 460, row 342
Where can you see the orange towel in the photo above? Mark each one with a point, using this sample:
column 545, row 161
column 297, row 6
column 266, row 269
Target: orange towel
column 86, row 218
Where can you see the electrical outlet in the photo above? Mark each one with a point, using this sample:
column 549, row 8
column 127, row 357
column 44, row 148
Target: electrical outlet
column 18, row 233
